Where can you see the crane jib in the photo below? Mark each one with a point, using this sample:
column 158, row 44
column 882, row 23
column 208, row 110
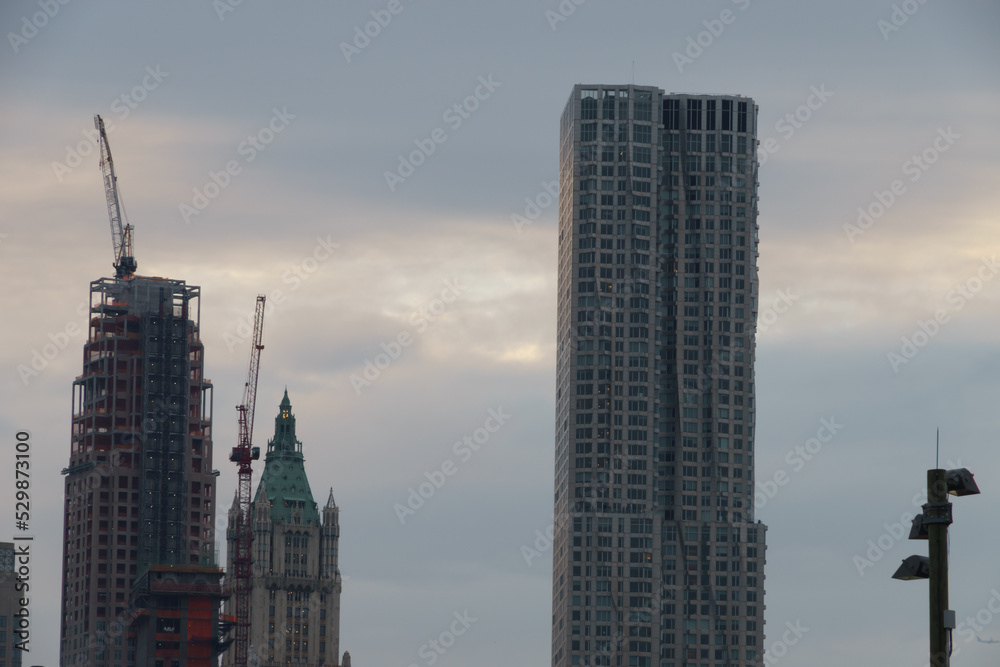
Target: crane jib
column 121, row 236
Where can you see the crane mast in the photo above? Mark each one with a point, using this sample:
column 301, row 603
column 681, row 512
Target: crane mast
column 243, row 454
column 121, row 237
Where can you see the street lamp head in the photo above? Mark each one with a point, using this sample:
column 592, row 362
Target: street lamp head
column 914, row 567
column 962, row 483
column 918, row 531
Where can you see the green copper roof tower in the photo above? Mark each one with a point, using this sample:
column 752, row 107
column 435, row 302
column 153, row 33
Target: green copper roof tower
column 295, row 557
column 284, row 479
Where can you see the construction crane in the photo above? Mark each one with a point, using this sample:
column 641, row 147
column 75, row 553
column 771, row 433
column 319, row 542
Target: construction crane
column 121, row 237
column 242, row 455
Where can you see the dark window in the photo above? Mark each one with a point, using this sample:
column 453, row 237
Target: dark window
column 727, row 115
column 609, row 105
column 694, row 114
column 672, row 114
column 643, row 105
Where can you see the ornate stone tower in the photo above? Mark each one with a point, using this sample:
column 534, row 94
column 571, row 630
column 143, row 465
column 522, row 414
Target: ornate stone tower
column 295, row 590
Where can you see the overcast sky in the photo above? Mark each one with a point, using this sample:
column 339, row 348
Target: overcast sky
column 253, row 141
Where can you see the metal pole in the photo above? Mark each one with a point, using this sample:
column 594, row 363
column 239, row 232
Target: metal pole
column 938, row 511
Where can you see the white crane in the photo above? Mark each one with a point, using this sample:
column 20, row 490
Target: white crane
column 121, row 237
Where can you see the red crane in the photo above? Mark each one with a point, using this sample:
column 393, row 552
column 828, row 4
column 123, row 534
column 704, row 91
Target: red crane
column 242, row 455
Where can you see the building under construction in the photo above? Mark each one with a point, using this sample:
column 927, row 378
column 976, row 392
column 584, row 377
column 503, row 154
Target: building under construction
column 140, row 487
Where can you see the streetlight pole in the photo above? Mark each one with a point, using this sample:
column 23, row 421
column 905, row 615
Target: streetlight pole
column 932, row 525
column 937, row 516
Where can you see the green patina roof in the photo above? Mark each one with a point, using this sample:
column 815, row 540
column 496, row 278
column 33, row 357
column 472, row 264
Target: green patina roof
column 284, row 478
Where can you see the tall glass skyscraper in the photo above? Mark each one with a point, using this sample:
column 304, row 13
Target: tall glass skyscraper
column 658, row 560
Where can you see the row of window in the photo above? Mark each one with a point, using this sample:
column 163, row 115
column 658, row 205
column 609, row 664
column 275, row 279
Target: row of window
column 698, row 114
column 607, row 229
column 696, row 142
column 670, row 427
column 690, row 624
column 723, row 384
column 639, row 568
column 608, row 214
column 592, row 152
column 609, row 171
column 584, row 301
column 605, row 418
column 608, row 185
column 632, row 435
column 709, row 163
column 642, row 661
column 707, row 195
column 670, row 141
column 642, row 259
column 674, row 181
column 589, row 331
column 642, row 602
column 669, row 594
column 641, row 133
column 289, row 628
column 718, row 114
column 613, row 200
column 721, row 501
column 604, row 463
column 615, row 492
column 720, row 566
column 642, row 155
column 643, row 107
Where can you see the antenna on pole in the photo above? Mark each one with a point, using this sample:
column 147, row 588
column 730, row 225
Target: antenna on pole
column 937, row 454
